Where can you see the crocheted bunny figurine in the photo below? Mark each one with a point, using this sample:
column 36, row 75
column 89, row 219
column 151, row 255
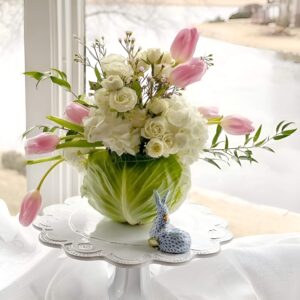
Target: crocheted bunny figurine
column 164, row 236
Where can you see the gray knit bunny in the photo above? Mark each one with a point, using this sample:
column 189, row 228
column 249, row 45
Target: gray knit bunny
column 164, row 236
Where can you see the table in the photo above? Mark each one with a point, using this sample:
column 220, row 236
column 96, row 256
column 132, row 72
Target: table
column 85, row 234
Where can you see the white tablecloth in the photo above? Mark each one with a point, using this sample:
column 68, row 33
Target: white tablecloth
column 259, row 267
column 252, row 268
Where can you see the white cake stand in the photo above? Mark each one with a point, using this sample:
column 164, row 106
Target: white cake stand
column 85, row 234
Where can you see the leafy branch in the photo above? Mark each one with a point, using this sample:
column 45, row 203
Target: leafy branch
column 244, row 152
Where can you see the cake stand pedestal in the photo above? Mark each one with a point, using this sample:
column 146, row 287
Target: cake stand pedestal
column 85, row 234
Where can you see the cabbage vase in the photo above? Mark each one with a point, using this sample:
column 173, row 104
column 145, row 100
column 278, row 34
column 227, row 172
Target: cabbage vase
column 121, row 188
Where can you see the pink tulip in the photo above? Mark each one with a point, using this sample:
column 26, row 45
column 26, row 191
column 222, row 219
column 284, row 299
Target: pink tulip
column 76, row 112
column 42, row 143
column 30, row 207
column 209, row 112
column 237, row 125
column 184, row 44
column 186, row 74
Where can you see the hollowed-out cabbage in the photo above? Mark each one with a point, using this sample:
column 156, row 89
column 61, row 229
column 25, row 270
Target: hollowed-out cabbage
column 121, row 188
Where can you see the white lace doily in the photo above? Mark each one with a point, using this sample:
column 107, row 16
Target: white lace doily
column 84, row 233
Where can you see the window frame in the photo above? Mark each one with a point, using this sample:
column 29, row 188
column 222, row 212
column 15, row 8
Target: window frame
column 49, row 30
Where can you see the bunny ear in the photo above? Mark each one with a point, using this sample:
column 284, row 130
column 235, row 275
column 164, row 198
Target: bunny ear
column 157, row 198
column 164, row 199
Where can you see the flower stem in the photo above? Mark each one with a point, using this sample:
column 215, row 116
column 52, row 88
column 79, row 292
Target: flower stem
column 46, row 159
column 47, row 173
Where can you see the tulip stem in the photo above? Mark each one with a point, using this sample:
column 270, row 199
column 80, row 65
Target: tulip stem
column 46, row 159
column 47, row 173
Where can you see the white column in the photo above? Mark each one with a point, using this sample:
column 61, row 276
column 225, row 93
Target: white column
column 49, row 27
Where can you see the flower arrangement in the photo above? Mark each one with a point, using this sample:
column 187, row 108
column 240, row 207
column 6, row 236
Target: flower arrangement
column 137, row 129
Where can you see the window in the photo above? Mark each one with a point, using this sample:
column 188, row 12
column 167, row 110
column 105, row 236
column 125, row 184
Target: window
column 12, row 112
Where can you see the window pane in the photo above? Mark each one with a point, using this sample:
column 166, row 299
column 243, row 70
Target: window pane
column 256, row 83
column 12, row 112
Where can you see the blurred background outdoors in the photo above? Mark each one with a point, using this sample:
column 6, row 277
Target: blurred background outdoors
column 256, row 47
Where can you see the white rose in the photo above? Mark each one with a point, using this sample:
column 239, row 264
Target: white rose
column 123, row 100
column 155, row 127
column 155, row 148
column 158, row 105
column 153, row 55
column 112, row 58
column 112, row 83
column 138, row 117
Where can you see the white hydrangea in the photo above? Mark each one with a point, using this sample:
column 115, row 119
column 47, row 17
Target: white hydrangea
column 75, row 157
column 114, row 132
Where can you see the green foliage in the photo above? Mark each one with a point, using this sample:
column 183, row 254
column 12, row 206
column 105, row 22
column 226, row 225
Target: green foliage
column 66, row 124
column 244, row 152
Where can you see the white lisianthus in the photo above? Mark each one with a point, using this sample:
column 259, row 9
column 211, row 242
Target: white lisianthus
column 155, row 127
column 106, row 60
column 178, row 117
column 138, row 117
column 112, row 83
column 115, row 64
column 123, row 100
column 158, row 105
column 155, row 148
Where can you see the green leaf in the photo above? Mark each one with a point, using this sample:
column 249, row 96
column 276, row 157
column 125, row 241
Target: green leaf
column 66, row 124
column 288, row 132
column 286, row 125
column 279, row 125
column 247, row 139
column 226, row 142
column 216, row 137
column 94, row 85
column 137, row 87
column 79, row 144
column 211, row 161
column 97, row 73
column 257, row 134
column 279, row 137
column 61, row 82
column 34, row 74
column 261, row 142
column 268, row 148
column 60, row 73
